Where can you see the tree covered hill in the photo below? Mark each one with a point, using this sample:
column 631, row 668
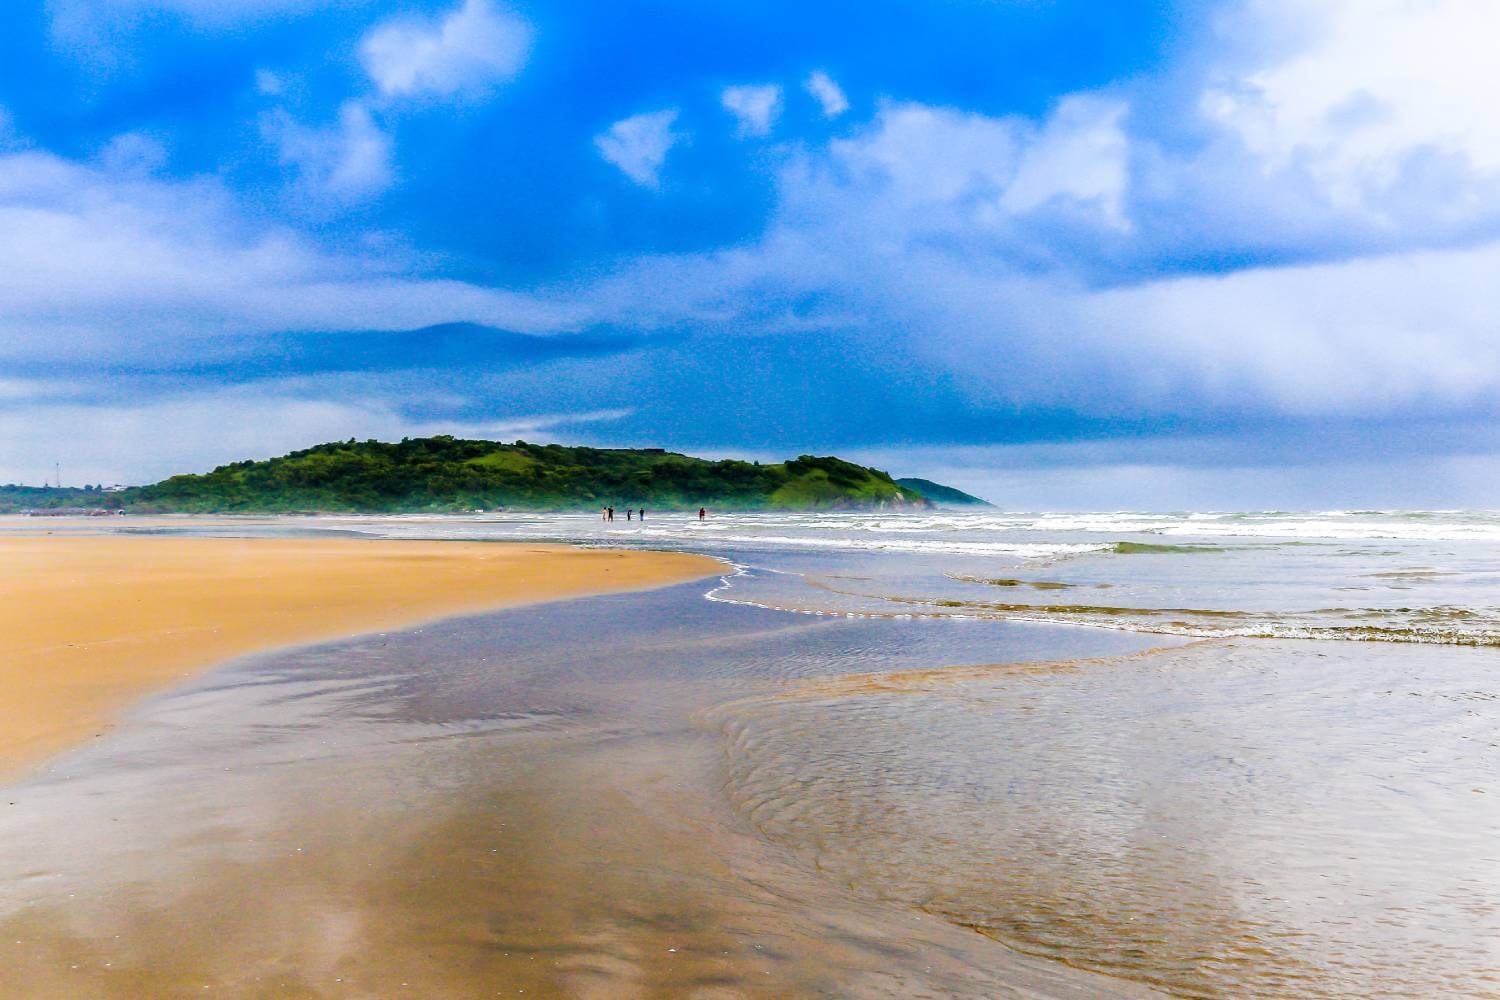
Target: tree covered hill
column 451, row 474
column 942, row 495
column 14, row 498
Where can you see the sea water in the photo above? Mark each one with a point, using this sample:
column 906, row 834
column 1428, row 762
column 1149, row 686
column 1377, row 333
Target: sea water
column 1304, row 804
column 1395, row 576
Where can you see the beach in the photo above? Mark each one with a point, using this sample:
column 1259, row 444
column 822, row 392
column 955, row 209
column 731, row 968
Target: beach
column 525, row 802
column 875, row 756
column 89, row 623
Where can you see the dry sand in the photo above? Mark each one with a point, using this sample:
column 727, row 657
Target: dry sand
column 88, row 624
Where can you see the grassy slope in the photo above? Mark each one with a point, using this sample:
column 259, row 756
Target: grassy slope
column 444, row 473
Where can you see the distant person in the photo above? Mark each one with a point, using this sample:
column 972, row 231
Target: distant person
column 643, row 513
column 610, row 512
column 628, row 514
column 702, row 513
column 604, row 513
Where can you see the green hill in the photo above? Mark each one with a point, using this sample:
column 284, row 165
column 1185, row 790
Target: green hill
column 450, row 474
column 945, row 496
column 17, row 498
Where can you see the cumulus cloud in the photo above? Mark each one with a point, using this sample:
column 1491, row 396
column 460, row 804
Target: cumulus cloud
column 1079, row 155
column 951, row 232
column 349, row 161
column 755, row 107
column 639, row 145
column 1373, row 92
column 828, row 94
column 924, row 168
column 471, row 47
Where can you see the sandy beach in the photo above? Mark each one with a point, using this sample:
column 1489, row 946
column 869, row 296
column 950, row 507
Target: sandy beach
column 89, row 624
column 528, row 802
column 690, row 791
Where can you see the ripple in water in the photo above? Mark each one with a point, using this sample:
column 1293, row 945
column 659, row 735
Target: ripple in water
column 1245, row 819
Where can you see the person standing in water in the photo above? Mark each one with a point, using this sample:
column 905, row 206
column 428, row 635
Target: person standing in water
column 629, row 514
column 609, row 513
column 642, row 514
column 702, row 513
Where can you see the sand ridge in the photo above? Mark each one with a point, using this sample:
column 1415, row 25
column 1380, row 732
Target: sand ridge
column 90, row 623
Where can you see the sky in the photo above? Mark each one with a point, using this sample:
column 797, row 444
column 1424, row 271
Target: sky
column 1063, row 253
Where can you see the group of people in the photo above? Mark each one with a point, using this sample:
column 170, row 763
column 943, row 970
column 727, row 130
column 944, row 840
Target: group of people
column 608, row 513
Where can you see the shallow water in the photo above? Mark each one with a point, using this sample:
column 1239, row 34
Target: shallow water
column 1388, row 576
column 527, row 801
column 826, row 803
column 1267, row 819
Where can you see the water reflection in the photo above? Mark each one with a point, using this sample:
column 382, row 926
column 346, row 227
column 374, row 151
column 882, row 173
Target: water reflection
column 523, row 801
column 1264, row 819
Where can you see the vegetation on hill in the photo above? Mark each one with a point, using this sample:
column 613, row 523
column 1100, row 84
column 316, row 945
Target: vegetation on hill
column 449, row 474
column 15, row 498
column 945, row 496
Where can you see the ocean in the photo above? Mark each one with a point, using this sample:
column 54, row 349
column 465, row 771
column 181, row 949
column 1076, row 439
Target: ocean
column 1390, row 576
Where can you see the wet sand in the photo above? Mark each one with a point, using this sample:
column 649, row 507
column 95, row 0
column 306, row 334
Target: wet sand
column 525, row 803
column 656, row 795
column 89, row 624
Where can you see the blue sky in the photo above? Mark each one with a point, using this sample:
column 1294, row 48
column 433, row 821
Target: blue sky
column 1063, row 253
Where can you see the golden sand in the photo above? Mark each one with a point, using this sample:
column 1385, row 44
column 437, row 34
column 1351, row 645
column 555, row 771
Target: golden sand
column 88, row 624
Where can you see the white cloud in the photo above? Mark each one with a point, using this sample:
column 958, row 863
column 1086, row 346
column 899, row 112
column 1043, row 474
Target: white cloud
column 1372, row 88
column 347, row 162
column 638, row 145
column 1080, row 154
column 756, row 107
column 269, row 83
column 97, row 264
column 194, row 432
column 1240, row 472
column 1356, row 337
column 947, row 226
column 1408, row 333
column 8, row 134
column 473, row 46
column 940, row 169
column 828, row 94
column 133, row 152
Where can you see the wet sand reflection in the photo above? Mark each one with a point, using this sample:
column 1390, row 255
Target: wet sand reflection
column 527, row 801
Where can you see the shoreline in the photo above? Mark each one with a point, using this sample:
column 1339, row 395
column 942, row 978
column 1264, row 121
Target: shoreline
column 546, row 813
column 90, row 624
